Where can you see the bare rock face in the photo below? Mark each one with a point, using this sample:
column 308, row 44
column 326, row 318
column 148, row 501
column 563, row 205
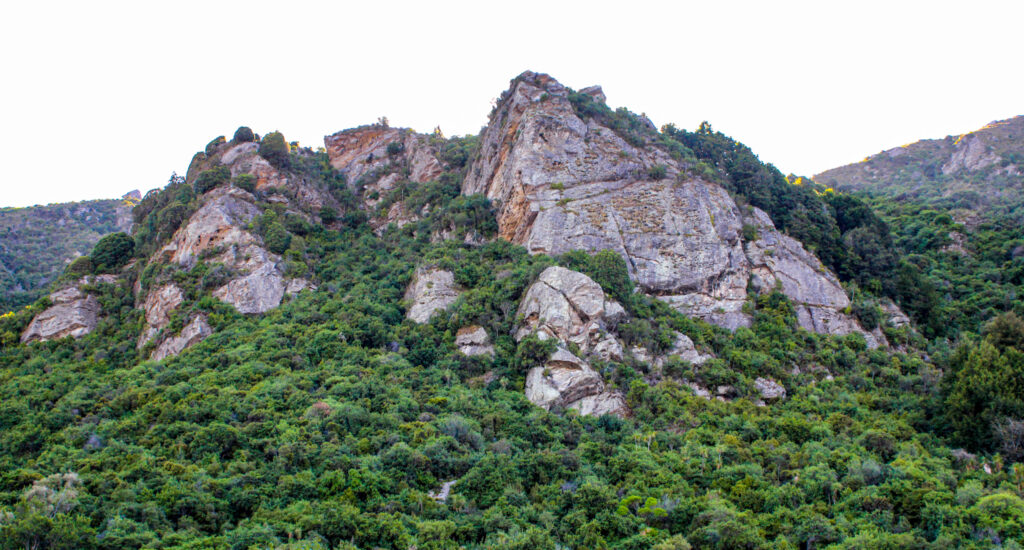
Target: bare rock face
column 568, row 306
column 431, row 290
column 560, row 183
column 568, row 382
column 365, row 150
column 473, row 340
column 158, row 307
column 73, row 313
column 193, row 333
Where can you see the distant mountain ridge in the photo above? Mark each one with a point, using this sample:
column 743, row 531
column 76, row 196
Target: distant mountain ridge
column 37, row 242
column 977, row 169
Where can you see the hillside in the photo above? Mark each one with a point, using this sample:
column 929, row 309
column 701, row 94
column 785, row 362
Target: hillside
column 979, row 169
column 38, row 242
column 573, row 330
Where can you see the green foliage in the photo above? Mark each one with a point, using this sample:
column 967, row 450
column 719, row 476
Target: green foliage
column 243, row 135
column 208, row 179
column 275, row 149
column 113, row 251
column 245, row 182
column 81, row 266
column 277, row 238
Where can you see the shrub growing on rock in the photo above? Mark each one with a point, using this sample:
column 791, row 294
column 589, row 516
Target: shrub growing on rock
column 209, row 179
column 113, row 251
column 275, row 149
column 81, row 266
column 245, row 182
column 243, row 135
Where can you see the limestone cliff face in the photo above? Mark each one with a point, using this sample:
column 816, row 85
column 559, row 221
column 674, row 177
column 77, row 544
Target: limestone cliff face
column 432, row 290
column 560, row 183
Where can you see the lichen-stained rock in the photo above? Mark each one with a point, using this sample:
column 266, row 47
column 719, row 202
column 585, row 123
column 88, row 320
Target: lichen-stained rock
column 568, row 306
column 431, row 290
column 72, row 313
column 769, row 389
column 561, row 183
column 364, row 150
column 473, row 340
column 159, row 305
column 196, row 331
column 568, row 382
column 261, row 286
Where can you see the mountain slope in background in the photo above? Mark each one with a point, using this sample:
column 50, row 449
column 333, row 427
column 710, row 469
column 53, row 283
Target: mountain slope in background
column 974, row 170
column 37, row 242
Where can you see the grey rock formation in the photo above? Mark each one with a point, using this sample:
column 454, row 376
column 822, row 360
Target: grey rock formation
column 193, row 333
column 561, row 183
column 72, row 313
column 430, row 291
column 364, row 151
column 217, row 232
column 473, row 340
column 769, row 389
column 568, row 382
column 568, row 306
column 159, row 305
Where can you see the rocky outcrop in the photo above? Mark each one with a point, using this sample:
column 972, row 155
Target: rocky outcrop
column 385, row 153
column 569, row 307
column 562, row 183
column 780, row 260
column 196, row 331
column 72, row 313
column 473, row 340
column 244, row 158
column 159, row 305
column 430, row 291
column 217, row 233
column 769, row 389
column 568, row 382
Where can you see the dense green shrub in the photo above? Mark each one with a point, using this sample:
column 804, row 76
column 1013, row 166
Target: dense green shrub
column 277, row 238
column 243, row 135
column 208, row 179
column 275, row 149
column 113, row 251
column 81, row 265
column 245, row 182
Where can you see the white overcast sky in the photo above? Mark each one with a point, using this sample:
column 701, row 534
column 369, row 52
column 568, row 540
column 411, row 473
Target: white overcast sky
column 99, row 98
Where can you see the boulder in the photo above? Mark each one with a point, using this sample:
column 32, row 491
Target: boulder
column 217, row 232
column 568, row 306
column 769, row 389
column 568, row 382
column 473, row 340
column 430, row 291
column 72, row 313
column 196, row 331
